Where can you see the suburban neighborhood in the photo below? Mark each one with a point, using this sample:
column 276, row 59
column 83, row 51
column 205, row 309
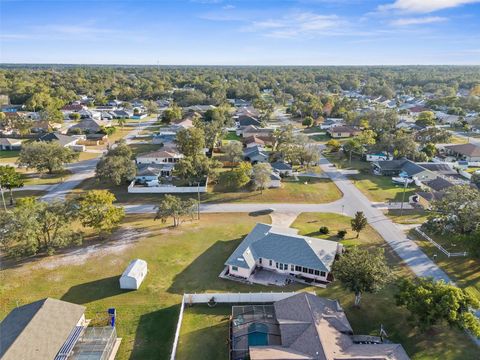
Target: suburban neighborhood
column 263, row 212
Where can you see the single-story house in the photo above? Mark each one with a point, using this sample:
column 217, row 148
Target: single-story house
column 378, row 156
column 252, row 141
column 239, row 102
column 121, row 114
column 53, row 329
column 164, row 137
column 64, row 140
column 88, row 125
column 252, row 130
column 303, row 327
column 199, row 108
column 255, row 154
column 282, row 168
column 282, row 250
column 151, row 172
column 468, row 152
column 247, row 120
column 343, row 131
column 10, row 144
column 184, row 124
column 425, row 198
column 160, row 156
column 328, row 123
column 404, row 168
column 72, row 108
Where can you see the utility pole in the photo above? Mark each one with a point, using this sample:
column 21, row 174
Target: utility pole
column 3, row 198
column 198, row 200
column 403, row 197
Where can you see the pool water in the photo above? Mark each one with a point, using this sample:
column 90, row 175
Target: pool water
column 257, row 335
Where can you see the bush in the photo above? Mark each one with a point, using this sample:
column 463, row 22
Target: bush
column 324, row 230
column 341, row 234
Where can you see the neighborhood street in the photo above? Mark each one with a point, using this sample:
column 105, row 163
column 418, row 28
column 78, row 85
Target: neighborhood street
column 83, row 170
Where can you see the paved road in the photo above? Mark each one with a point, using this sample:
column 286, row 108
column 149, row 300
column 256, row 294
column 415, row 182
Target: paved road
column 470, row 139
column 83, row 170
column 407, row 249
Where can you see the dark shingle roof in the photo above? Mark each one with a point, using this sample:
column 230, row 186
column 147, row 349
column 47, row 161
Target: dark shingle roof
column 280, row 165
column 62, row 139
column 439, row 184
column 465, row 149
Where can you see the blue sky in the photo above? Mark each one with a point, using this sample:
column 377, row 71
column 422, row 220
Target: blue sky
column 229, row 32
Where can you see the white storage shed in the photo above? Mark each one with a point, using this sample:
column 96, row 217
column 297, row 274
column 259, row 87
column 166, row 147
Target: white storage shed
column 134, row 274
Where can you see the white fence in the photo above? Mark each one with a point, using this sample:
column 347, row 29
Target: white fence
column 166, row 189
column 232, row 298
column 438, row 246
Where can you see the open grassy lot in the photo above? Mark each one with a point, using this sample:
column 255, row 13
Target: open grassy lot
column 185, row 259
column 9, row 156
column 381, row 188
column 84, row 155
column 205, row 330
column 408, row 216
column 315, row 191
column 43, row 178
column 143, row 148
column 465, row 271
column 305, row 190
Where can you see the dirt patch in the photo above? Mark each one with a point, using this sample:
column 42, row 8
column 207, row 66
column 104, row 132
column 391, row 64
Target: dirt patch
column 119, row 241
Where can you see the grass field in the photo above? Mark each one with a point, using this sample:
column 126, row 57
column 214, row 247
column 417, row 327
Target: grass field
column 204, row 331
column 408, row 216
column 381, row 188
column 231, row 135
column 315, row 191
column 465, row 271
column 9, row 156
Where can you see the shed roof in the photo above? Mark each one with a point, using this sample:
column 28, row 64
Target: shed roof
column 135, row 268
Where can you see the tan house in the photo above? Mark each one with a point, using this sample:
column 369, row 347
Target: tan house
column 343, row 131
column 468, row 152
column 160, row 157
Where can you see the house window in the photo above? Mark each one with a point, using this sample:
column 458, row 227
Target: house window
column 305, row 270
column 310, row 271
column 298, row 268
column 317, row 272
column 292, row 268
column 322, row 273
column 234, row 268
column 276, row 265
column 270, row 262
column 260, row 260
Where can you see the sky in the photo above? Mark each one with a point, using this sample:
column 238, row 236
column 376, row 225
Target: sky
column 242, row 32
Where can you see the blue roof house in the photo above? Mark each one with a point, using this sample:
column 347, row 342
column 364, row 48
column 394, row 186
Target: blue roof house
column 283, row 251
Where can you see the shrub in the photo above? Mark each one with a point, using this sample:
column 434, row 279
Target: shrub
column 341, row 234
column 324, row 230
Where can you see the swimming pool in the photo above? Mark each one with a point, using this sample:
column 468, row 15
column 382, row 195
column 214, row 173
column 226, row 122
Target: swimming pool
column 257, row 334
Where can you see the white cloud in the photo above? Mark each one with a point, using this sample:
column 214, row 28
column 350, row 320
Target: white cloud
column 417, row 21
column 304, row 24
column 424, row 6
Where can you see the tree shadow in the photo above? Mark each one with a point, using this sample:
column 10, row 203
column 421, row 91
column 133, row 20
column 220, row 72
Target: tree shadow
column 155, row 333
column 94, row 290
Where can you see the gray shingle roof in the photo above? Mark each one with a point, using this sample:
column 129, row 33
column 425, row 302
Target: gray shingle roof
column 280, row 165
column 266, row 242
column 38, row 330
column 62, row 139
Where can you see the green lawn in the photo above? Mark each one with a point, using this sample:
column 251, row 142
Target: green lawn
column 381, row 188
column 232, row 135
column 44, row 179
column 186, row 259
column 408, row 216
column 305, row 190
column 9, row 156
column 465, row 271
column 204, row 331
column 315, row 191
